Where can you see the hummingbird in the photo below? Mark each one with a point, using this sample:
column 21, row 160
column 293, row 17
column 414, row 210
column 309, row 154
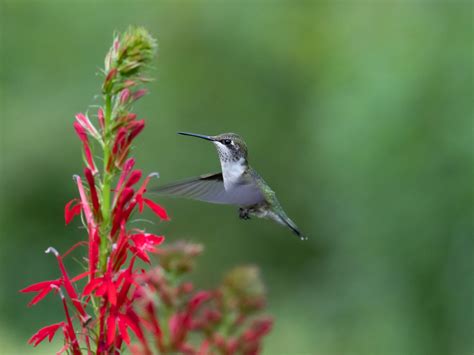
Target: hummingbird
column 236, row 184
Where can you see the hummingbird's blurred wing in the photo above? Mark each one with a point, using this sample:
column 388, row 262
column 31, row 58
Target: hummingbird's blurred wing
column 208, row 188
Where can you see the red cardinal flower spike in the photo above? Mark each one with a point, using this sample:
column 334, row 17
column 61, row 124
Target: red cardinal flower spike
column 123, row 297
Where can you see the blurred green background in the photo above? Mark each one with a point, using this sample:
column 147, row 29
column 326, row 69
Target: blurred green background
column 359, row 115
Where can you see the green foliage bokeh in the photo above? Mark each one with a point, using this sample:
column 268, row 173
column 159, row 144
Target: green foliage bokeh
column 359, row 115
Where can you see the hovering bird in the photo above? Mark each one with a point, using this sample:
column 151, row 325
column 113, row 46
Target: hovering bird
column 238, row 184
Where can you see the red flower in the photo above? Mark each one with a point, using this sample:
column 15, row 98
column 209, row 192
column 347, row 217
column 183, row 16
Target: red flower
column 87, row 125
column 45, row 332
column 145, row 242
column 66, row 281
column 123, row 298
column 100, row 117
column 42, row 288
column 103, row 286
column 139, row 93
column 93, row 191
column 124, row 96
column 126, row 169
column 135, row 177
column 135, row 128
column 157, row 209
column 181, row 323
column 85, row 203
column 70, row 212
column 81, row 133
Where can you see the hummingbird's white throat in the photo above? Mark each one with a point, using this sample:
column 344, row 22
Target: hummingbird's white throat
column 232, row 172
column 232, row 166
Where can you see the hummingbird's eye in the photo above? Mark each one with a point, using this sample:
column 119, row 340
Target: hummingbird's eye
column 226, row 141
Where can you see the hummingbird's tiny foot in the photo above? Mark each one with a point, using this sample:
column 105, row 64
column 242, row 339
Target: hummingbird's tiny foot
column 244, row 213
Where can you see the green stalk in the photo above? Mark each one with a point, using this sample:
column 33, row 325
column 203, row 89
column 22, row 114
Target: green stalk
column 107, row 178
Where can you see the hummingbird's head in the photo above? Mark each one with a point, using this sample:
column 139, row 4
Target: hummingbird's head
column 230, row 146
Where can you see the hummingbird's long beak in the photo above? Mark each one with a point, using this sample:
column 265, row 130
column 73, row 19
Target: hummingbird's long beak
column 209, row 138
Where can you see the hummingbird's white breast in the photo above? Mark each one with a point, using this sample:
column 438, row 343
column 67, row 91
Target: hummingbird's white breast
column 232, row 172
column 241, row 190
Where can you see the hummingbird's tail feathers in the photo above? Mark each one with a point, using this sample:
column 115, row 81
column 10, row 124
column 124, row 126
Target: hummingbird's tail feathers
column 290, row 224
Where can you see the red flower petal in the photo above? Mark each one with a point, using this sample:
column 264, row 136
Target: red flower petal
column 92, row 285
column 48, row 331
column 111, row 292
column 68, row 284
column 91, row 182
column 70, row 212
column 132, row 321
column 39, row 296
column 43, row 288
column 156, row 329
column 135, row 129
column 71, row 249
column 110, row 75
column 81, row 133
column 141, row 191
column 141, row 254
column 111, row 327
column 94, row 241
column 100, row 117
column 257, row 330
column 69, row 332
column 139, row 93
column 204, row 348
column 157, row 209
column 134, row 178
column 85, row 203
column 123, row 330
column 41, row 285
column 87, row 125
column 89, row 160
column 128, row 277
column 197, row 300
column 145, row 242
column 176, row 328
column 80, row 276
column 124, row 96
column 119, row 140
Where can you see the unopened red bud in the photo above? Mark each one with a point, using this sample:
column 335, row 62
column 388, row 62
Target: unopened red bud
column 129, row 83
column 124, row 96
column 219, row 340
column 131, row 117
column 135, row 176
column 213, row 315
column 136, row 128
column 92, row 188
column 139, row 93
column 100, row 117
column 232, row 345
column 257, row 329
column 110, row 75
column 186, row 287
column 84, row 122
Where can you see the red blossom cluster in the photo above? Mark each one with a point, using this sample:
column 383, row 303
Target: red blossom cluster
column 221, row 321
column 115, row 299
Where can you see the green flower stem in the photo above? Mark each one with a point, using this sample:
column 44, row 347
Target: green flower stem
column 106, row 189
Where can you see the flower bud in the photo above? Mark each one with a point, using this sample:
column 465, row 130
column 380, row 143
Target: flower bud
column 243, row 289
